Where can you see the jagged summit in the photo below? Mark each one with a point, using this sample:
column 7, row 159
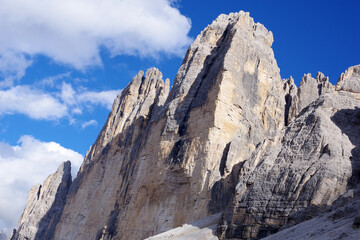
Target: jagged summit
column 309, row 90
column 230, row 142
column 44, row 206
column 135, row 101
column 349, row 81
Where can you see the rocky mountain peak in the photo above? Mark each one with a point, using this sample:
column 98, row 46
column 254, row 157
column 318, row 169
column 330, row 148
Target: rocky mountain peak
column 350, row 80
column 308, row 91
column 136, row 101
column 44, row 206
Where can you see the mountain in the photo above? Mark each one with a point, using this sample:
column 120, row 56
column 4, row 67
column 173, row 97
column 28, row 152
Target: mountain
column 231, row 150
column 44, row 206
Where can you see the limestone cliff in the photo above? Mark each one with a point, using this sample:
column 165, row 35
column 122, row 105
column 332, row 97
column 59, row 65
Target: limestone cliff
column 308, row 167
column 230, row 139
column 155, row 164
column 44, row 206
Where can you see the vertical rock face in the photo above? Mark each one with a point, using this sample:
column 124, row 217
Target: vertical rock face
column 136, row 101
column 44, row 206
column 303, row 172
column 102, row 186
column 156, row 162
column 290, row 90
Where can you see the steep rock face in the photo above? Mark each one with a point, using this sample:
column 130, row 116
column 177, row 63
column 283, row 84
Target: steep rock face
column 134, row 102
column 290, row 90
column 160, row 172
column 101, row 187
column 302, row 172
column 44, row 206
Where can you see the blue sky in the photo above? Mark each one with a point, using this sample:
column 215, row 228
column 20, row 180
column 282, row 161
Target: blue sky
column 61, row 65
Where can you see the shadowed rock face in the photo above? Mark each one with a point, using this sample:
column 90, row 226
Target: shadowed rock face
column 44, row 206
column 230, row 138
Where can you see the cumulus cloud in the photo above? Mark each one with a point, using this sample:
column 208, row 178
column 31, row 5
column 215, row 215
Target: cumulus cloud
column 104, row 98
column 79, row 98
column 73, row 31
column 31, row 102
column 41, row 105
column 24, row 165
column 12, row 67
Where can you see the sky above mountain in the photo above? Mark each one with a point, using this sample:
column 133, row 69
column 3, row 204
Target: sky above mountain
column 63, row 62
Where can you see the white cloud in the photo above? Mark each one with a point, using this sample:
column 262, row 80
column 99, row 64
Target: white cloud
column 24, row 165
column 89, row 123
column 72, row 31
column 51, row 80
column 38, row 104
column 12, row 66
column 83, row 97
column 31, row 102
column 104, row 98
column 68, row 94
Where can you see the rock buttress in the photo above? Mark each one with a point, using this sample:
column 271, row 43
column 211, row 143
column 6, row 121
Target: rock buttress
column 304, row 172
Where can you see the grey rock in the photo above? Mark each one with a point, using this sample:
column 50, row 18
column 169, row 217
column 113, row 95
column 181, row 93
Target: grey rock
column 44, row 206
column 310, row 89
column 329, row 225
column 349, row 81
column 296, row 176
column 291, row 100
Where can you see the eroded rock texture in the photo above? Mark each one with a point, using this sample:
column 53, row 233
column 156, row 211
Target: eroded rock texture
column 44, row 206
column 300, row 173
